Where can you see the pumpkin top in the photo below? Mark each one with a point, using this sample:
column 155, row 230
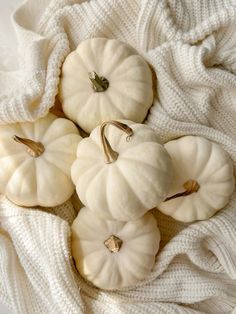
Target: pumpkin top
column 121, row 170
column 113, row 254
column 105, row 79
column 36, row 158
column 203, row 179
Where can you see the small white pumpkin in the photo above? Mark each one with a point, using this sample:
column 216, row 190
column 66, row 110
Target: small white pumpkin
column 203, row 179
column 113, row 254
column 35, row 161
column 105, row 79
column 121, row 178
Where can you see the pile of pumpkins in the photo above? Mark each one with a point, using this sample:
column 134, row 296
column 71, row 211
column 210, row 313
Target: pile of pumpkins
column 121, row 171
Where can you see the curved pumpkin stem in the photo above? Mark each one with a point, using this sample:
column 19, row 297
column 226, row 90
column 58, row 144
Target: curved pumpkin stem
column 111, row 155
column 191, row 186
column 35, row 149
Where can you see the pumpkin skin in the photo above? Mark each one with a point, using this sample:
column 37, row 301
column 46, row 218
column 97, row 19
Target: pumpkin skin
column 131, row 185
column 129, row 95
column 196, row 158
column 109, row 268
column 42, row 180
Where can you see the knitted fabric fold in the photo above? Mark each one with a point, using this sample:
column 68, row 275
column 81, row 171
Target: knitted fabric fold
column 191, row 45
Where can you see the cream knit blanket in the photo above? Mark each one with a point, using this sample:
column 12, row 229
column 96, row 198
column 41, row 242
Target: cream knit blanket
column 191, row 44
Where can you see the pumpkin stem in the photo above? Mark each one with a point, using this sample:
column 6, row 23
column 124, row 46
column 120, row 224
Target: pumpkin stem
column 113, row 244
column 111, row 155
column 99, row 83
column 191, row 186
column 34, row 149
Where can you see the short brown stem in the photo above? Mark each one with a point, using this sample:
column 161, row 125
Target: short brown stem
column 191, row 186
column 99, row 83
column 111, row 155
column 113, row 244
column 34, row 149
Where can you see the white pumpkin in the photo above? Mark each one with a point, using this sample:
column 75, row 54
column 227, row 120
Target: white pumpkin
column 105, row 79
column 35, row 161
column 113, row 254
column 119, row 178
column 203, row 179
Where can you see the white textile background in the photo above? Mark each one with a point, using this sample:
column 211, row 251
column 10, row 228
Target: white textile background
column 192, row 47
column 8, row 40
column 8, row 43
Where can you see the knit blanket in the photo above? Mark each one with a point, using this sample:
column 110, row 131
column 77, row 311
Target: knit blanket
column 191, row 45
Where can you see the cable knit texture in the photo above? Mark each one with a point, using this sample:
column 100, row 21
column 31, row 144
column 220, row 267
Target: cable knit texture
column 192, row 47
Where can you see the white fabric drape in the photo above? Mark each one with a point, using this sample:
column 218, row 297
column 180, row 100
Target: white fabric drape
column 191, row 45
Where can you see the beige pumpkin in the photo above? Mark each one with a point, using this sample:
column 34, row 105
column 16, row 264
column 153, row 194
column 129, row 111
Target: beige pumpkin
column 35, row 161
column 203, row 179
column 113, row 254
column 105, row 79
column 118, row 177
